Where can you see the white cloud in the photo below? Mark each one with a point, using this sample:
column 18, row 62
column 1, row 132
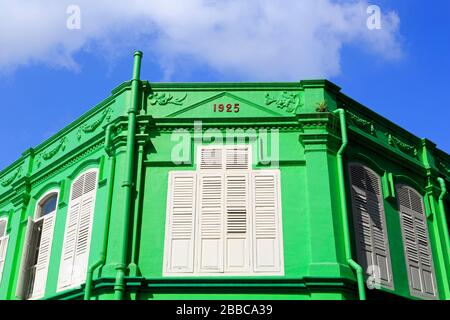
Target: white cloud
column 254, row 39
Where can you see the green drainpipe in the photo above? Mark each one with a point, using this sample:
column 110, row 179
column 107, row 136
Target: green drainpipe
column 127, row 184
column 101, row 260
column 444, row 225
column 442, row 212
column 340, row 164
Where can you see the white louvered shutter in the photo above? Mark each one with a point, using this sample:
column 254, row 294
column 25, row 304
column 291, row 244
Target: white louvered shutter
column 370, row 225
column 237, row 158
column 84, row 231
column 210, row 222
column 180, row 224
column 24, row 271
column 70, row 235
column 43, row 260
column 237, row 228
column 266, row 221
column 211, row 158
column 3, row 249
column 78, row 231
column 422, row 282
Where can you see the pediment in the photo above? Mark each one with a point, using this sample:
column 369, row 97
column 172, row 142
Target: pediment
column 220, row 105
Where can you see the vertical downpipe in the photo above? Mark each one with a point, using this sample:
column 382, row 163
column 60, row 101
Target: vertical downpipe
column 102, row 258
column 343, row 200
column 443, row 217
column 127, row 184
column 446, row 246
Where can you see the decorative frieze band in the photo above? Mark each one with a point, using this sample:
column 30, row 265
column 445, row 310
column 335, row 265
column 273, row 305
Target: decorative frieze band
column 7, row 181
column 401, row 145
column 49, row 154
column 363, row 124
column 89, row 128
column 163, row 99
column 286, row 101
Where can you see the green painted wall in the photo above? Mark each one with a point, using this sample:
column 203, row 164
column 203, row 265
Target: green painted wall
column 309, row 134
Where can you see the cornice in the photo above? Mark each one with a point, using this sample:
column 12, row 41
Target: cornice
column 223, row 86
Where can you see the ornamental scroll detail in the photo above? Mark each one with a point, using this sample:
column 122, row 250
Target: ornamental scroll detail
column 286, row 101
column 89, row 128
column 163, row 99
column 47, row 155
column 7, row 181
column 401, row 145
column 361, row 123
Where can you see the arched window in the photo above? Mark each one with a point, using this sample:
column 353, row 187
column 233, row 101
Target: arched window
column 369, row 221
column 37, row 248
column 47, row 205
column 416, row 242
column 77, row 236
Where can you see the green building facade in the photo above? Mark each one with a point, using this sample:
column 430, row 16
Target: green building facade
column 227, row 191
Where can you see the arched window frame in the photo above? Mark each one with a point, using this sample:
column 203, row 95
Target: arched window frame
column 382, row 276
column 421, row 216
column 64, row 282
column 36, row 253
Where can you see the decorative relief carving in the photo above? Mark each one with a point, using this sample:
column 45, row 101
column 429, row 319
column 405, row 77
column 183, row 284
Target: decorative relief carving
column 361, row 123
column 286, row 101
column 7, row 181
column 401, row 145
column 88, row 128
column 75, row 159
column 49, row 154
column 163, row 99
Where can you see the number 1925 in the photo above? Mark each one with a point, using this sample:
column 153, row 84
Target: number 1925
column 226, row 108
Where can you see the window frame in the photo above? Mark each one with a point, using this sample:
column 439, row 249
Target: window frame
column 249, row 172
column 391, row 285
column 75, row 284
column 37, row 218
column 413, row 293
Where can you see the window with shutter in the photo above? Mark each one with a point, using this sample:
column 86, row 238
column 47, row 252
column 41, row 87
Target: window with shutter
column 230, row 216
column 77, row 236
column 37, row 249
column 372, row 244
column 416, row 242
column 3, row 245
column 180, row 223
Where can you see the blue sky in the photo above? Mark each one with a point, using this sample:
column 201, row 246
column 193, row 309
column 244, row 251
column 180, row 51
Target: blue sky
column 50, row 75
